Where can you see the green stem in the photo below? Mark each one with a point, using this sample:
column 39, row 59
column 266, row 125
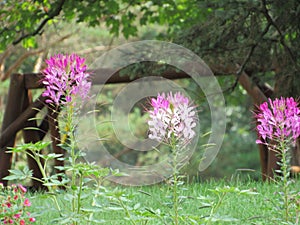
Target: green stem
column 73, row 180
column 127, row 213
column 79, row 194
column 175, row 193
column 38, row 161
column 285, row 174
column 36, row 157
column 175, row 181
column 94, row 199
column 71, row 143
column 215, row 207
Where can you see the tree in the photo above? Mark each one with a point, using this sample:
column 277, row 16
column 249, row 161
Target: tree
column 24, row 24
column 259, row 38
column 22, row 21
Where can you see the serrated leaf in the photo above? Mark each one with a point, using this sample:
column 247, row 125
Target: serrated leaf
column 52, row 156
column 16, row 174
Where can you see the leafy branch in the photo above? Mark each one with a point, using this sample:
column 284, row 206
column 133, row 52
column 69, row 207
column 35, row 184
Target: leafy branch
column 275, row 25
column 247, row 58
column 51, row 15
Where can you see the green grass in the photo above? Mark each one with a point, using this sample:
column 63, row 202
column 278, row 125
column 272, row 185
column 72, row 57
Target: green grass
column 248, row 209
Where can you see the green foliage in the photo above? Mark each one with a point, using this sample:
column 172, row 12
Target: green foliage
column 17, row 174
column 25, row 20
column 85, row 175
column 255, row 36
column 247, row 202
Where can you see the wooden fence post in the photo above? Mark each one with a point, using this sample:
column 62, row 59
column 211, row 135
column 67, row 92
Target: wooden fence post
column 13, row 109
column 53, row 113
column 31, row 134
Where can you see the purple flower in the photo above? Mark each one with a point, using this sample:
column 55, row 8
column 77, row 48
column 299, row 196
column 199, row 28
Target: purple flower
column 278, row 120
column 172, row 116
column 65, row 77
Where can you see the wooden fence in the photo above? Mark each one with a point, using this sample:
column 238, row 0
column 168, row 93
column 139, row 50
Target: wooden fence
column 21, row 109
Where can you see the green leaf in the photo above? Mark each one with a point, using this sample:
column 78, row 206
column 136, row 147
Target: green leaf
column 16, row 174
column 114, row 208
column 91, row 210
column 29, row 42
column 50, row 156
column 95, row 221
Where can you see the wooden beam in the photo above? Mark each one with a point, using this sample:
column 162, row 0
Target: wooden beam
column 111, row 76
column 101, row 76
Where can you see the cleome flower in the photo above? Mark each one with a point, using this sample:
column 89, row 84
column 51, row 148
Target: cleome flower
column 278, row 120
column 65, row 77
column 172, row 116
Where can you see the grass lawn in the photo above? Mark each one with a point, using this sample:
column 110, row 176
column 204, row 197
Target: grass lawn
column 260, row 208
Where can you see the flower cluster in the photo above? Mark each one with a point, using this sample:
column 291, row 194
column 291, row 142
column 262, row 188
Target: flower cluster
column 65, row 77
column 278, row 120
column 14, row 206
column 172, row 116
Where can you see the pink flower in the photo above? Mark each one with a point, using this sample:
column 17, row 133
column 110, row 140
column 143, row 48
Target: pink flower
column 14, row 207
column 8, row 204
column 27, row 202
column 65, row 77
column 278, row 120
column 159, row 102
column 17, row 216
column 22, row 188
column 172, row 116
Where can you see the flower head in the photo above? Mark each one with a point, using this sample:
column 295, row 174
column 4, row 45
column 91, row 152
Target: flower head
column 65, row 77
column 27, row 202
column 17, row 216
column 278, row 119
column 172, row 116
